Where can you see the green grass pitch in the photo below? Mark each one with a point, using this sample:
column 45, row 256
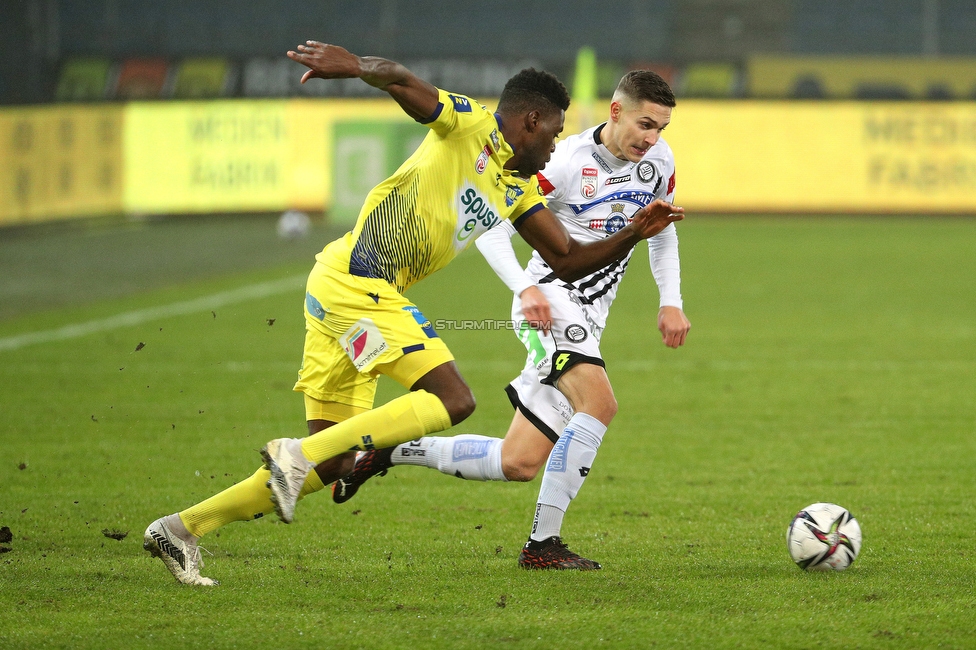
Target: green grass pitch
column 830, row 359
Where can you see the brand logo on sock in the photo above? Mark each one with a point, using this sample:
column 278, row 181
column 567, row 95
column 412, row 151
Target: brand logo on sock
column 584, row 471
column 557, row 458
column 368, row 443
column 406, row 451
column 535, row 523
column 470, row 449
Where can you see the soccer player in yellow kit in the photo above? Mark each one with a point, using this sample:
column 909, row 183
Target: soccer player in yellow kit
column 474, row 169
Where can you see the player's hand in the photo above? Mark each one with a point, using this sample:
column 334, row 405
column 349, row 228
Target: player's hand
column 326, row 61
column 536, row 309
column 674, row 326
column 655, row 217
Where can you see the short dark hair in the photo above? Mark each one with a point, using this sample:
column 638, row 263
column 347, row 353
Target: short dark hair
column 646, row 86
column 533, row 89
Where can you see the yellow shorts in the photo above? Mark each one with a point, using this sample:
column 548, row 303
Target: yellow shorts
column 355, row 330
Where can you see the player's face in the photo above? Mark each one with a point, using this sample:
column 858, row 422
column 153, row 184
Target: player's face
column 637, row 128
column 537, row 150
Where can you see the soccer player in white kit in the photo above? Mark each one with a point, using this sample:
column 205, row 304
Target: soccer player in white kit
column 564, row 403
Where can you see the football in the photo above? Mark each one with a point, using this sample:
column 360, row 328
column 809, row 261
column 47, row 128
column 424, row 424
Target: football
column 824, row 537
column 293, row 224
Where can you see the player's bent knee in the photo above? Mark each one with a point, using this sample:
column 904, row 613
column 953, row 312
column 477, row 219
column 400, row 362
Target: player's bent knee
column 609, row 407
column 601, row 406
column 520, row 473
column 521, row 469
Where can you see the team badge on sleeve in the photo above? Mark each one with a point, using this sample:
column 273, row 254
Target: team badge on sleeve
column 512, row 192
column 588, row 182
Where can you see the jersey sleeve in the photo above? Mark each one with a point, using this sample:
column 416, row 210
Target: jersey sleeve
column 666, row 191
column 663, row 247
column 454, row 113
column 554, row 179
column 496, row 247
column 529, row 201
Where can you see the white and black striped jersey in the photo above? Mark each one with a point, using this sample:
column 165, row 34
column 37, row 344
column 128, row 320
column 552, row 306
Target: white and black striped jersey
column 595, row 194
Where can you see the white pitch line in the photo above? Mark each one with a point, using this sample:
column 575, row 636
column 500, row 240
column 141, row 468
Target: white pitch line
column 204, row 303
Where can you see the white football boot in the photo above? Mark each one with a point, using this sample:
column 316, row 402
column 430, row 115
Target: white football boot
column 289, row 467
column 169, row 540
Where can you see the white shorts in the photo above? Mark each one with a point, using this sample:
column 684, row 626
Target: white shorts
column 574, row 338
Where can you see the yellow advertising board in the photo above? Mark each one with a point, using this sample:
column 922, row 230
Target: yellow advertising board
column 861, row 77
column 238, row 156
column 815, row 157
column 206, row 156
column 313, row 149
column 228, row 156
column 58, row 162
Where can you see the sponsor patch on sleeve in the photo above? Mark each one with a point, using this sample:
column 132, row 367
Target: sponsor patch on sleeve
column 461, row 104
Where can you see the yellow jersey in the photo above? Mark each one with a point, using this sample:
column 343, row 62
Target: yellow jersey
column 450, row 191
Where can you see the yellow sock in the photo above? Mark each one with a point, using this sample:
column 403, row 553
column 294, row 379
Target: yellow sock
column 249, row 499
column 406, row 418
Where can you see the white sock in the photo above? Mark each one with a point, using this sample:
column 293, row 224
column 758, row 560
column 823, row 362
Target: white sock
column 569, row 463
column 471, row 457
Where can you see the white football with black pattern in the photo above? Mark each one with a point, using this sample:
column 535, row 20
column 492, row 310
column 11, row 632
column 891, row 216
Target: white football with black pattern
column 824, row 537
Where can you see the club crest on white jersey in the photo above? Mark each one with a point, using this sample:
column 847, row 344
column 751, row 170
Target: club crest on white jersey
column 614, row 221
column 595, row 194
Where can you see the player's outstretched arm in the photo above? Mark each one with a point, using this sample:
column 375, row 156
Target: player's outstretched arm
column 415, row 96
column 571, row 260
